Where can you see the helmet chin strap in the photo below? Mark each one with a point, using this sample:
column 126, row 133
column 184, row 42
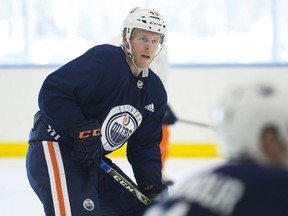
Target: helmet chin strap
column 131, row 56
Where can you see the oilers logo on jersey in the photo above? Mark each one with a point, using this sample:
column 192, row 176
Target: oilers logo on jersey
column 88, row 204
column 121, row 122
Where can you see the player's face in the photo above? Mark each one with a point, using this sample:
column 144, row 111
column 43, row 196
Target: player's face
column 144, row 46
column 274, row 148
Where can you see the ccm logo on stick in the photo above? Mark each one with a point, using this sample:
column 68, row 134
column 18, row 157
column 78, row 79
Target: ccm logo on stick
column 123, row 183
column 86, row 134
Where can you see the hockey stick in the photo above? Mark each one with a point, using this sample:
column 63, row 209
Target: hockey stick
column 125, row 183
column 195, row 123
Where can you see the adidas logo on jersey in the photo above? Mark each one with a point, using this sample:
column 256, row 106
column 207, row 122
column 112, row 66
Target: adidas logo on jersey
column 150, row 107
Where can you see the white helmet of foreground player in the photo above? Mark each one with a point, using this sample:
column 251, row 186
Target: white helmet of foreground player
column 242, row 115
column 146, row 19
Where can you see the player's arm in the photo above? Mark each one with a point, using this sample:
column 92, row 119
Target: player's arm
column 63, row 92
column 143, row 152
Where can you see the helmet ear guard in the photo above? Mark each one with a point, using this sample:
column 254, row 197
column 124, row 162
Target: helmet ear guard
column 125, row 40
column 241, row 116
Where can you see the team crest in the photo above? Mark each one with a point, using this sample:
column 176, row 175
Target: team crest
column 119, row 125
column 88, row 204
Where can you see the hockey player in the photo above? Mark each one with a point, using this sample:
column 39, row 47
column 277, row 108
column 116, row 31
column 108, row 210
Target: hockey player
column 253, row 123
column 90, row 107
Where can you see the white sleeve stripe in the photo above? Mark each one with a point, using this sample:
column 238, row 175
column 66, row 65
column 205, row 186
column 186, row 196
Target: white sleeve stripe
column 57, row 178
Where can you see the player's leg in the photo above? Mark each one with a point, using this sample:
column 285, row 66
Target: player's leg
column 60, row 182
column 164, row 148
column 164, row 145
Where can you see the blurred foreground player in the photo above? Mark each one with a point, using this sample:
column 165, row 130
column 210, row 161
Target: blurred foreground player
column 253, row 124
column 92, row 106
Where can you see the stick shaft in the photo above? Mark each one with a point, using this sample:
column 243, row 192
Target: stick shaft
column 125, row 183
column 200, row 124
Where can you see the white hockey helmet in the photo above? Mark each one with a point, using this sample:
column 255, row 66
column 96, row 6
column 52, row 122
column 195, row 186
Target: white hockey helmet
column 242, row 115
column 147, row 19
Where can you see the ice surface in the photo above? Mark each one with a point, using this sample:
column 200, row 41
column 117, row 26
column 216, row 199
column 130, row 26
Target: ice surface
column 17, row 197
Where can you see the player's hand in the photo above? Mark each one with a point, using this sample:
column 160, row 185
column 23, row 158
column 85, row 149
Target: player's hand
column 88, row 147
column 156, row 192
column 169, row 117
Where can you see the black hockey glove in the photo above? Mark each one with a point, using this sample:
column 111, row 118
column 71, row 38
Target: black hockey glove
column 156, row 192
column 169, row 117
column 88, row 147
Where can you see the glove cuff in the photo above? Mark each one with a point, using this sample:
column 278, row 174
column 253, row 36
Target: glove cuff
column 88, row 130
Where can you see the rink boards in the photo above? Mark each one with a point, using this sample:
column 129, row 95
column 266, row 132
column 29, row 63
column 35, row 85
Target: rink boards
column 175, row 150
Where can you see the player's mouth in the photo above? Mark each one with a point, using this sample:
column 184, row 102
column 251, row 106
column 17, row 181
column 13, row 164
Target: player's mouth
column 145, row 56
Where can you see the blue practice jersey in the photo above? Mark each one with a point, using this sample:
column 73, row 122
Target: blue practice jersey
column 235, row 189
column 100, row 85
